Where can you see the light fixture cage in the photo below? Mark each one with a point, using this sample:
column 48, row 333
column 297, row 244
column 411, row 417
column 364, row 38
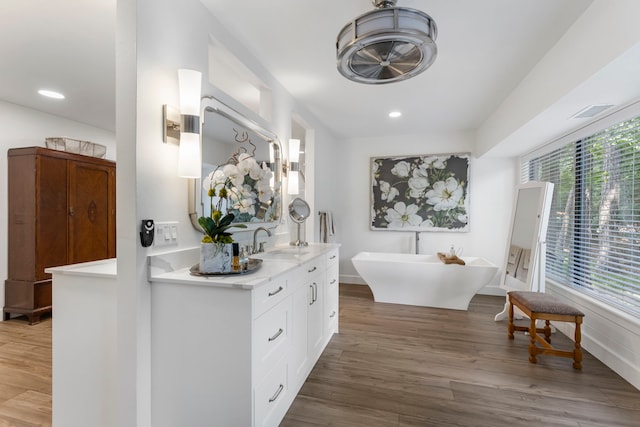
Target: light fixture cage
column 386, row 45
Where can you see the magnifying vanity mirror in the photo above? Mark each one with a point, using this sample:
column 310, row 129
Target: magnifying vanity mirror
column 299, row 211
column 525, row 258
column 230, row 138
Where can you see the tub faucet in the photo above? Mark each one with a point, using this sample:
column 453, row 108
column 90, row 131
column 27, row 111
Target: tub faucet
column 417, row 242
column 255, row 248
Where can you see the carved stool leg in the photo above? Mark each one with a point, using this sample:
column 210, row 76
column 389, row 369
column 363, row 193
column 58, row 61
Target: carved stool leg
column 547, row 331
column 511, row 327
column 532, row 344
column 577, row 352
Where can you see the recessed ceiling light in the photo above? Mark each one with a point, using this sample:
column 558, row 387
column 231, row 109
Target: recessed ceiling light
column 51, row 94
column 395, row 114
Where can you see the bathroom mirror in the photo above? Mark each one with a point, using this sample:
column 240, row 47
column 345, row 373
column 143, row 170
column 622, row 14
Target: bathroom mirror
column 228, row 136
column 299, row 211
column 524, row 261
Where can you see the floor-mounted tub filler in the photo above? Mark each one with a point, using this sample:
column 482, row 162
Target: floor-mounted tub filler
column 423, row 279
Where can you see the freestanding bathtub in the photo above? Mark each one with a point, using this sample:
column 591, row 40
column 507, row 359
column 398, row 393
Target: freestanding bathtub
column 423, row 279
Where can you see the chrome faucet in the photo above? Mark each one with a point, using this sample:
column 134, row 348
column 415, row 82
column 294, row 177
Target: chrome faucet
column 255, row 248
column 417, row 242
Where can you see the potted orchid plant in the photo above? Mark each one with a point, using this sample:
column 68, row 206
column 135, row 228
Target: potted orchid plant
column 238, row 191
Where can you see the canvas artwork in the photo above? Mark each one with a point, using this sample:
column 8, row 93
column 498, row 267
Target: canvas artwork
column 420, row 193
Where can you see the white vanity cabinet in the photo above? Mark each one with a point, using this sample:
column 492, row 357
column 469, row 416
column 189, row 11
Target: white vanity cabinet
column 235, row 353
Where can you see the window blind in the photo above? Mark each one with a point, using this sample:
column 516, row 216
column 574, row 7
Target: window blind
column 593, row 239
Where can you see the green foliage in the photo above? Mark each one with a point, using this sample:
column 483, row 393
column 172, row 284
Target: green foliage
column 215, row 229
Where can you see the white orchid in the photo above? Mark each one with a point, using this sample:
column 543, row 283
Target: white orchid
column 445, row 195
column 402, row 216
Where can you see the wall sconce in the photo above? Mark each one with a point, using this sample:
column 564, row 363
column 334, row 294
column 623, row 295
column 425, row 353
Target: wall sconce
column 186, row 131
column 294, row 166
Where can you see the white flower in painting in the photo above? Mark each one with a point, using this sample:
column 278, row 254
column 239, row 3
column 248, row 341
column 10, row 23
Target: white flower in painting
column 436, row 162
column 403, row 216
column 427, row 223
column 418, row 183
column 445, row 195
column 463, row 218
column 388, row 192
column 401, row 169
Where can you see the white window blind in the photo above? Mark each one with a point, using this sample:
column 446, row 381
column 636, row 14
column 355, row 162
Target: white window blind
column 593, row 239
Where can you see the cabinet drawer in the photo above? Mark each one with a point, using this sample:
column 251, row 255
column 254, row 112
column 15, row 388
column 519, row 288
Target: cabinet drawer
column 268, row 295
column 271, row 337
column 331, row 304
column 332, row 258
column 271, row 397
column 311, row 269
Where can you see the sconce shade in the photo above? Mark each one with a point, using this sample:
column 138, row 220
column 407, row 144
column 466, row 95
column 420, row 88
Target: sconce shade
column 294, row 186
column 189, row 159
column 294, row 150
column 294, row 159
column 189, row 154
column 190, row 83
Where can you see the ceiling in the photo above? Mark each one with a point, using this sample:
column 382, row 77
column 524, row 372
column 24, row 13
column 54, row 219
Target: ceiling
column 485, row 49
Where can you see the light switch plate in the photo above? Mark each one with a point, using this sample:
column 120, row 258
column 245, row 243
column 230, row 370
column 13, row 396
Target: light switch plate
column 166, row 233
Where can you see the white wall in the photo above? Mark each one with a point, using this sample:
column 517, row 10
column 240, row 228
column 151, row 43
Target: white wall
column 25, row 127
column 491, row 185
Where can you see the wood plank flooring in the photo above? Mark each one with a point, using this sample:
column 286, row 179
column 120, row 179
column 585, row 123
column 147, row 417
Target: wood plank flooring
column 25, row 373
column 391, row 365
column 404, row 366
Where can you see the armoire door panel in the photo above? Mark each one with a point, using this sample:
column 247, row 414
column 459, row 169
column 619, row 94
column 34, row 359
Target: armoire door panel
column 51, row 213
column 89, row 212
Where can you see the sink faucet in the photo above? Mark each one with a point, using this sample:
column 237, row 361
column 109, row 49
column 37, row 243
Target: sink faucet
column 417, row 242
column 255, row 239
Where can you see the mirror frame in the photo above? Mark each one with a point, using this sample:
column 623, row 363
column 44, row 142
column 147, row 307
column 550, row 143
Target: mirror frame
column 209, row 104
column 535, row 276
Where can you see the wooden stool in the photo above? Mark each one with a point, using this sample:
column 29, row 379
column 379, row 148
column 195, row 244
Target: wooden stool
column 536, row 306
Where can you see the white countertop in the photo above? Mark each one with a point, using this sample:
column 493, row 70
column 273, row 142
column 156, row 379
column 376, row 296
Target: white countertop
column 102, row 268
column 174, row 267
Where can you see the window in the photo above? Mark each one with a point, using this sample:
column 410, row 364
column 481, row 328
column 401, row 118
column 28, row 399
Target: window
column 593, row 239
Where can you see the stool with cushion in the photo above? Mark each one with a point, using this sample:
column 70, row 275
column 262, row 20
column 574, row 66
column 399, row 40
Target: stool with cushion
column 536, row 306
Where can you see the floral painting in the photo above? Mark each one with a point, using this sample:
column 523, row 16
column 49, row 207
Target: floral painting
column 420, row 193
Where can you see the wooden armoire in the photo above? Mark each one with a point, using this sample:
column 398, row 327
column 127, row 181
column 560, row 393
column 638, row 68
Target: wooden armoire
column 61, row 210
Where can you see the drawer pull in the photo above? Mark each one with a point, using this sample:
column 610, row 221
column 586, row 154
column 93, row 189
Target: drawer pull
column 277, row 334
column 314, row 293
column 275, row 396
column 332, row 257
column 280, row 289
column 333, row 281
column 333, row 314
column 312, row 270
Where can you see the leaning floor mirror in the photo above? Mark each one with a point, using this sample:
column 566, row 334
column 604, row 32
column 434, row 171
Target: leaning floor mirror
column 238, row 149
column 525, row 257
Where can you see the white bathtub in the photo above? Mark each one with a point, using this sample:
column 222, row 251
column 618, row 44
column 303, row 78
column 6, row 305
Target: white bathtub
column 423, row 279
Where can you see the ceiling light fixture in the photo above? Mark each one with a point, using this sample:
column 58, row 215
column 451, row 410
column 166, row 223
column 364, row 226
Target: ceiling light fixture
column 395, row 114
column 387, row 44
column 51, row 94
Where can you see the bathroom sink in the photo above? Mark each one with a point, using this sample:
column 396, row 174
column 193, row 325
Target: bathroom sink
column 293, row 253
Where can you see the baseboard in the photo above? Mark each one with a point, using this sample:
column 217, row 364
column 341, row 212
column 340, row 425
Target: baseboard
column 352, row 279
column 611, row 336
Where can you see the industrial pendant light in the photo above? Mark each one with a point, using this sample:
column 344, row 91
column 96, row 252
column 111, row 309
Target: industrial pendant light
column 387, row 44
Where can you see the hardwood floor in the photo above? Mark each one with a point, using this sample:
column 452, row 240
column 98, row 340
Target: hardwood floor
column 405, row 366
column 391, row 365
column 25, row 373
